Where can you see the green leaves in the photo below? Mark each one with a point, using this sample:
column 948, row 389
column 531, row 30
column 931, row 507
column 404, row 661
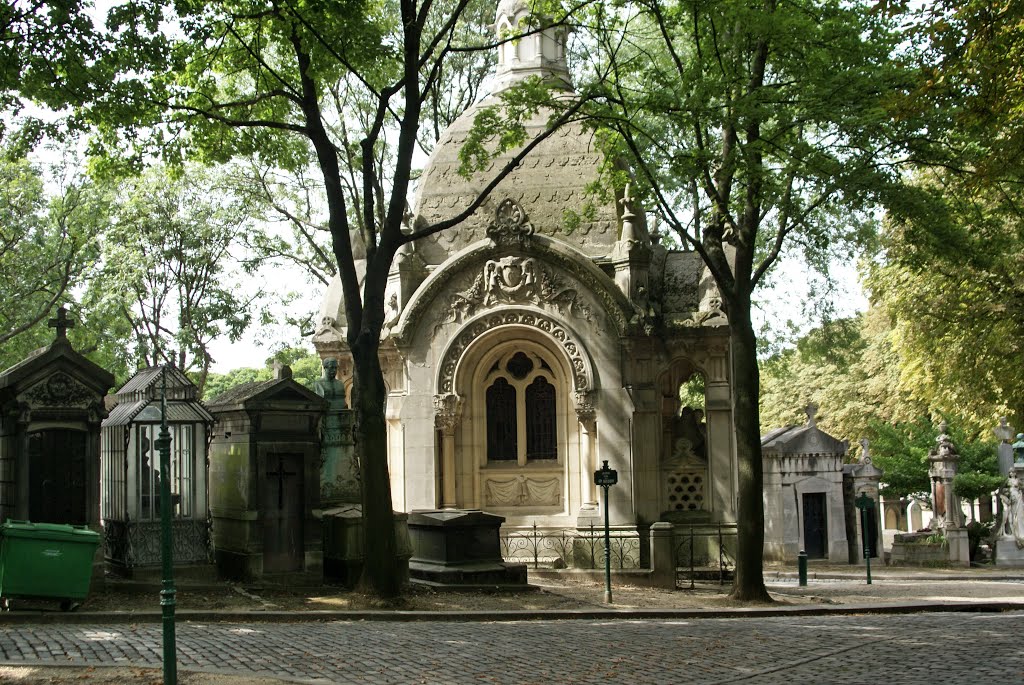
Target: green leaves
column 165, row 267
column 47, row 247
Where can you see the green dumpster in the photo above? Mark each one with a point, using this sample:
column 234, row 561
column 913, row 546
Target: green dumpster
column 46, row 560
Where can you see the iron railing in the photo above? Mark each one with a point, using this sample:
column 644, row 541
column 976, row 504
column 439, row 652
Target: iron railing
column 570, row 547
column 705, row 552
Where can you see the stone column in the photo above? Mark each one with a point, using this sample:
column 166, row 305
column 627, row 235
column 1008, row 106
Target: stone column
column 943, row 462
column 942, row 468
column 587, row 415
column 720, row 494
column 447, row 414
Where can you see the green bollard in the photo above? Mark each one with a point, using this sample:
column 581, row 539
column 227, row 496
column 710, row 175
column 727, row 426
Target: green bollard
column 801, row 566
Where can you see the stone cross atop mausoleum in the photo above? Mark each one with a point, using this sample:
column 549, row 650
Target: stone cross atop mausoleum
column 62, row 323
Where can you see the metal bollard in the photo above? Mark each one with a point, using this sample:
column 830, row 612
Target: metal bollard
column 801, row 565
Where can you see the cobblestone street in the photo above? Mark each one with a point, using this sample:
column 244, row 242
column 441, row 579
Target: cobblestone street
column 917, row 648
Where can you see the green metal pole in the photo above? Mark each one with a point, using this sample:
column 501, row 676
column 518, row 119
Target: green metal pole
column 867, row 543
column 167, row 601
column 607, row 552
column 865, row 504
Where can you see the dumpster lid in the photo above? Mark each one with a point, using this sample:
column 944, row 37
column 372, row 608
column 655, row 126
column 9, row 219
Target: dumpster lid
column 47, row 531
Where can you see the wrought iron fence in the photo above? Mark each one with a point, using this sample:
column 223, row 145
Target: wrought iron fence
column 706, row 553
column 570, row 547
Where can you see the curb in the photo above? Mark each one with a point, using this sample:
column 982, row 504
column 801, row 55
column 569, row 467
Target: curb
column 123, row 617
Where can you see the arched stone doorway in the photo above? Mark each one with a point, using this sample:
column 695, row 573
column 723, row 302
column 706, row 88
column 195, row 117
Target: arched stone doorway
column 683, row 451
column 696, row 459
column 517, row 425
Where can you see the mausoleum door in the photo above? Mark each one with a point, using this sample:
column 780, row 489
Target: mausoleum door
column 56, row 475
column 815, row 525
column 282, row 507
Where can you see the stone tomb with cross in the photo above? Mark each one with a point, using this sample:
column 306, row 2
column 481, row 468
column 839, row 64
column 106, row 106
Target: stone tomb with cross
column 265, row 480
column 803, row 493
column 51, row 407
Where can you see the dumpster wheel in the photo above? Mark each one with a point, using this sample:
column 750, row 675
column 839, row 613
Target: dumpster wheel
column 69, row 605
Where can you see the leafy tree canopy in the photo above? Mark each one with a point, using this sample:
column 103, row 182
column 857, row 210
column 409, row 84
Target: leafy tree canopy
column 48, row 243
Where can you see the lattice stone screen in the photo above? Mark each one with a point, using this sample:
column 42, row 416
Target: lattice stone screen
column 685, row 490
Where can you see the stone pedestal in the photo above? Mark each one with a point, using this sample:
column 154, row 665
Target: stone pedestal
column 1007, row 552
column 959, row 547
column 460, row 547
column 343, row 544
column 663, row 560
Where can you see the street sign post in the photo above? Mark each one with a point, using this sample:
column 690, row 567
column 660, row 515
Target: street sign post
column 866, row 506
column 607, row 477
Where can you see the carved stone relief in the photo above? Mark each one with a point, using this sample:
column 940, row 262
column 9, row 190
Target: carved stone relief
column 59, row 390
column 510, row 226
column 447, row 411
column 581, row 373
column 586, row 411
column 522, row 491
column 515, row 280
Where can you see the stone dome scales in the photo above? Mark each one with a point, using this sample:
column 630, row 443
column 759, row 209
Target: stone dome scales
column 551, row 184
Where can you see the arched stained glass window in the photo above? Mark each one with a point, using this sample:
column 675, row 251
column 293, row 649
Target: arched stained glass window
column 540, row 420
column 502, row 422
column 521, row 407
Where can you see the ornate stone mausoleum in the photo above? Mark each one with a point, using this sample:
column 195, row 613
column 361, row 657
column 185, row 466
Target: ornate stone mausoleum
column 549, row 332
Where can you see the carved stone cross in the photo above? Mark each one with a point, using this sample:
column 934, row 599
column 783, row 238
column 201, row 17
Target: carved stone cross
column 281, row 474
column 812, row 410
column 62, row 323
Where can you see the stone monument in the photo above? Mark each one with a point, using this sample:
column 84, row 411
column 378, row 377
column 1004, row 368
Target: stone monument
column 803, row 493
column 1004, row 433
column 339, row 470
column 548, row 332
column 1009, row 546
column 862, row 477
column 949, row 516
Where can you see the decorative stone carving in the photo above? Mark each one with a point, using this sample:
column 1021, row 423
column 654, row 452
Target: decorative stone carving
column 326, row 324
column 468, row 301
column 714, row 315
column 581, row 372
column 586, row 411
column 447, row 411
column 510, row 226
column 515, row 280
column 59, row 390
column 392, row 313
column 1012, row 521
column 522, row 491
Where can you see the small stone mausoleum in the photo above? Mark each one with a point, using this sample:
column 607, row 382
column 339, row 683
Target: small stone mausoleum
column 549, row 332
column 803, row 493
column 51, row 406
column 265, row 480
column 810, row 493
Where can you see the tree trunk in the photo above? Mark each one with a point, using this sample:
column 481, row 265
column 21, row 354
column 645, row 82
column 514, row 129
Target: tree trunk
column 749, row 582
column 380, row 567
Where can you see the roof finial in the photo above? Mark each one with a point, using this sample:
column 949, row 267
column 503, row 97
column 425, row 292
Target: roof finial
column 812, row 410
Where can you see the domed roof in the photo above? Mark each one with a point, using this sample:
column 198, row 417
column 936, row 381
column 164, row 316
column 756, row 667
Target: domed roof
column 550, row 185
